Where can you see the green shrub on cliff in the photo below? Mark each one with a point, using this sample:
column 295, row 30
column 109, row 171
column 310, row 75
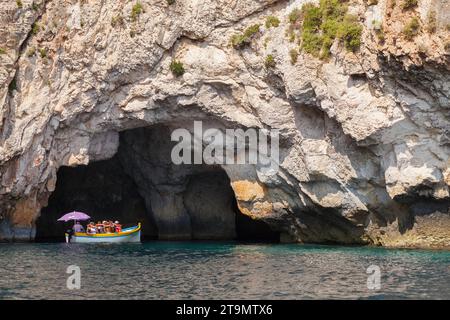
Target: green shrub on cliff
column 270, row 61
column 350, row 32
column 31, row 52
column 35, row 28
column 409, row 4
column 379, row 32
column 447, row 46
column 291, row 35
column 2, row 51
column 136, row 10
column 43, row 53
column 177, row 68
column 293, row 53
column 294, row 16
column 324, row 23
column 312, row 17
column 240, row 40
column 272, row 21
column 411, row 29
column 19, row 4
column 312, row 43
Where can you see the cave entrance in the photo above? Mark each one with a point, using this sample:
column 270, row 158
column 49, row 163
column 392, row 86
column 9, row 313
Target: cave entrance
column 140, row 183
column 103, row 190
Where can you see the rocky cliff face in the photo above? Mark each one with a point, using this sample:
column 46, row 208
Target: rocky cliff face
column 364, row 127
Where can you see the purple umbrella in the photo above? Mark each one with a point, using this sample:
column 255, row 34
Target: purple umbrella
column 74, row 216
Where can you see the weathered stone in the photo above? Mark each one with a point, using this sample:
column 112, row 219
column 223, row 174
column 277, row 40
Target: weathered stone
column 364, row 136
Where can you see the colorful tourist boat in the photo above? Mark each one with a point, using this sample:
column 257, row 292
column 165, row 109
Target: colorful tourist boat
column 132, row 234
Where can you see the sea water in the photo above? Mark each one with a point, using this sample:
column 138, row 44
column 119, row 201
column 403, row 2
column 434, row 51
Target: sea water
column 218, row 270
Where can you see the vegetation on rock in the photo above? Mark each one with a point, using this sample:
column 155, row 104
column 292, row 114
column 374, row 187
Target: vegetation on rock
column 177, row 68
column 409, row 4
column 293, row 53
column 326, row 22
column 270, row 61
column 294, row 24
column 43, row 52
column 136, row 10
column 350, row 32
column 272, row 21
column 240, row 40
column 294, row 16
column 31, row 52
column 117, row 20
column 35, row 28
column 266, row 42
column 291, row 34
column 380, row 34
column 432, row 22
column 19, row 4
column 447, row 46
column 411, row 29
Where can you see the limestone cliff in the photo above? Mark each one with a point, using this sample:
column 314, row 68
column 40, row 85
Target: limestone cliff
column 364, row 117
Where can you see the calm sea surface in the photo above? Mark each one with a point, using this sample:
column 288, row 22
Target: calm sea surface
column 206, row 270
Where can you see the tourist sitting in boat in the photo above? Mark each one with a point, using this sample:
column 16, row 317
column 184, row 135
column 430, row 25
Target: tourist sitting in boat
column 117, row 226
column 109, row 227
column 91, row 229
column 113, row 227
column 100, row 227
column 77, row 227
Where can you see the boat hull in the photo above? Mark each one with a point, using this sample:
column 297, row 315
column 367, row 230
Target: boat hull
column 126, row 236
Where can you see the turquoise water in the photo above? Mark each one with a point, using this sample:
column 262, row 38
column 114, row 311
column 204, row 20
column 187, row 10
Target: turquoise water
column 205, row 270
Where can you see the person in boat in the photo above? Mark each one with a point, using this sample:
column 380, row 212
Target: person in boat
column 113, row 227
column 100, row 227
column 118, row 226
column 91, row 229
column 77, row 227
column 109, row 228
column 106, row 226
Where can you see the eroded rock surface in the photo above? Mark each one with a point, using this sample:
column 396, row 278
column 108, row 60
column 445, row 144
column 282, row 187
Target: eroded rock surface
column 364, row 135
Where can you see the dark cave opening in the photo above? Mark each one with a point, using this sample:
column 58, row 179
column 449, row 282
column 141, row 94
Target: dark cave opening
column 139, row 184
column 100, row 189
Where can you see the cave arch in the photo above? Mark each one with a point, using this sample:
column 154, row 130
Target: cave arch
column 94, row 190
column 140, row 183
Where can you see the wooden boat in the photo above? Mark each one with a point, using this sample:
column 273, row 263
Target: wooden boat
column 132, row 234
